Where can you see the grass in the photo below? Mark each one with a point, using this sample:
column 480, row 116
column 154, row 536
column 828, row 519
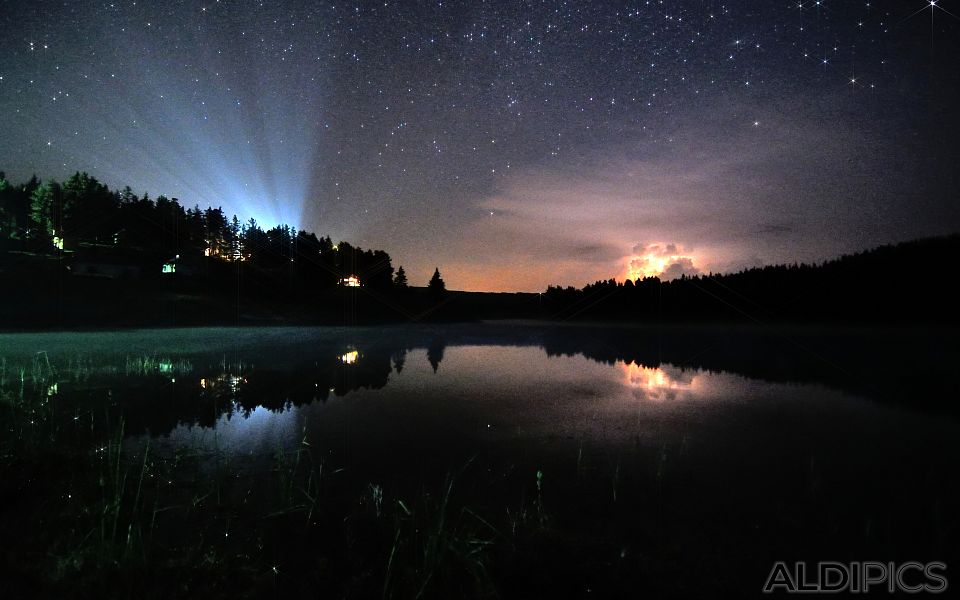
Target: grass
column 114, row 514
column 438, row 546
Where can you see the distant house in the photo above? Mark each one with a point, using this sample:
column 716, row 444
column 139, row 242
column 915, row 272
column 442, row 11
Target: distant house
column 350, row 281
column 180, row 266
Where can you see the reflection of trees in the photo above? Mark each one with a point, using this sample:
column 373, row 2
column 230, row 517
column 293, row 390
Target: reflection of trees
column 909, row 369
column 157, row 405
column 898, row 366
column 299, row 384
column 399, row 358
column 435, row 352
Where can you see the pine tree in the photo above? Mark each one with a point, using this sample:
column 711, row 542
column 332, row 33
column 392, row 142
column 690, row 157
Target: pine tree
column 41, row 212
column 436, row 285
column 400, row 280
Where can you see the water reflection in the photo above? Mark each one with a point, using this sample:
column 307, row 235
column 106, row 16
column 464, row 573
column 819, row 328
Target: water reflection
column 659, row 384
column 159, row 389
column 228, row 381
column 435, row 352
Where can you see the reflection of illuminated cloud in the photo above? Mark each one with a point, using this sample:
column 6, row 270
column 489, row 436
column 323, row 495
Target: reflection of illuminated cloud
column 350, row 357
column 658, row 383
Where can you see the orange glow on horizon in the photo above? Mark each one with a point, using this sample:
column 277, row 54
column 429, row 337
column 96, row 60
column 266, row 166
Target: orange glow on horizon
column 529, row 277
column 535, row 274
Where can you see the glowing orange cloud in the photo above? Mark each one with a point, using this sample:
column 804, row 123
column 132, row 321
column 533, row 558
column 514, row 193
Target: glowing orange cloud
column 666, row 261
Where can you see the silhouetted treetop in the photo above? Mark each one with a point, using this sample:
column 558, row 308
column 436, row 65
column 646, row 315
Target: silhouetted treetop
column 400, row 279
column 436, row 283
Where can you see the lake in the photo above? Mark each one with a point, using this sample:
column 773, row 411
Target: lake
column 511, row 459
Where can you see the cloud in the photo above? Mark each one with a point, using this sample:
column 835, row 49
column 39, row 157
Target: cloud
column 666, row 261
column 780, row 194
column 660, row 250
column 679, row 267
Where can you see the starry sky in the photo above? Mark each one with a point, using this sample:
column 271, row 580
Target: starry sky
column 514, row 144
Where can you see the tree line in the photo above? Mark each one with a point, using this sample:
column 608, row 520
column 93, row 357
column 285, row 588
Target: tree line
column 909, row 281
column 83, row 216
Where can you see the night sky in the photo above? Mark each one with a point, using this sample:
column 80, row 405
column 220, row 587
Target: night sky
column 513, row 144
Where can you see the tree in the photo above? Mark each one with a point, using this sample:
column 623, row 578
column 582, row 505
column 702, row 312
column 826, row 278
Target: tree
column 6, row 214
column 436, row 286
column 15, row 201
column 375, row 269
column 216, row 231
column 234, row 240
column 42, row 211
column 400, row 280
column 255, row 242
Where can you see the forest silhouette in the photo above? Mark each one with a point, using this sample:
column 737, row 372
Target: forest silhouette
column 907, row 282
column 78, row 254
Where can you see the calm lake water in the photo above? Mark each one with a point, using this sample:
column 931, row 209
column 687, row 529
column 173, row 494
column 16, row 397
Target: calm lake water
column 517, row 459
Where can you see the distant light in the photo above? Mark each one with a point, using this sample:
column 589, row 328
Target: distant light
column 350, row 357
column 350, row 281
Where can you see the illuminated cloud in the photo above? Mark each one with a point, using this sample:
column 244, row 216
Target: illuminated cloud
column 666, row 261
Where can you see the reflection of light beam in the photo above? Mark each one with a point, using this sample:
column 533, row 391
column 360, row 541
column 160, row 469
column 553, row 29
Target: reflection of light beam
column 655, row 383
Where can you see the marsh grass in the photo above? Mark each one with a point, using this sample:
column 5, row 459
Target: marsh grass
column 440, row 548
column 116, row 514
column 299, row 478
